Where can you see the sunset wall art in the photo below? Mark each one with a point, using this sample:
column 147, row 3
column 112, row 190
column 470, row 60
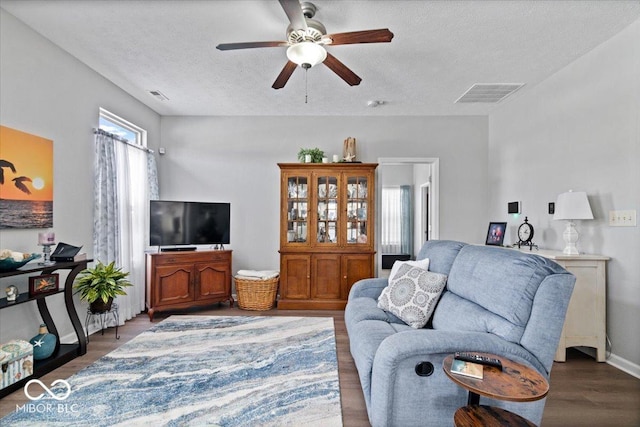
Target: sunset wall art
column 26, row 180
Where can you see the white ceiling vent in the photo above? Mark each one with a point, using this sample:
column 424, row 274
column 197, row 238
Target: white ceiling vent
column 488, row 92
column 159, row 95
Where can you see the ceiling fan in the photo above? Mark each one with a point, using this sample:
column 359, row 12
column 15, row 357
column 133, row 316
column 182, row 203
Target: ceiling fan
column 306, row 41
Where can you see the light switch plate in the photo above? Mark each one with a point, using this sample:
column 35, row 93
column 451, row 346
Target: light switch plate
column 625, row 218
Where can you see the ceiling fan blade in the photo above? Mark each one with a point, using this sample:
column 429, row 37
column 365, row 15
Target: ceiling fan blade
column 249, row 45
column 284, row 75
column 368, row 36
column 341, row 70
column 294, row 12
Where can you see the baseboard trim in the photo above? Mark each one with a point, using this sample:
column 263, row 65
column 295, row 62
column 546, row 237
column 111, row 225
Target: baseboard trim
column 624, row 365
column 71, row 337
column 616, row 361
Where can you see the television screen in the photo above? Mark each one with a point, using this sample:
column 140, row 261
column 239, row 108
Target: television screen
column 189, row 223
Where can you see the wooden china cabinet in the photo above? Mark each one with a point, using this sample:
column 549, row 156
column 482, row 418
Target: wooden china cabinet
column 326, row 232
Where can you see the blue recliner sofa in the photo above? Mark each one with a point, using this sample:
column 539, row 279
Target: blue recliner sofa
column 496, row 300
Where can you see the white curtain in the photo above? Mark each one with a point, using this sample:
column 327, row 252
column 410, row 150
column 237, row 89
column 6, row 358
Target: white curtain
column 132, row 189
column 391, row 219
column 121, row 209
column 396, row 220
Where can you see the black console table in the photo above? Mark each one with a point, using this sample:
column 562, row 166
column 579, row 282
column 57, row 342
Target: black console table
column 63, row 353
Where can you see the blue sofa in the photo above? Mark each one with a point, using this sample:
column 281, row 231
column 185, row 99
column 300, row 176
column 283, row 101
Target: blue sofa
column 496, row 300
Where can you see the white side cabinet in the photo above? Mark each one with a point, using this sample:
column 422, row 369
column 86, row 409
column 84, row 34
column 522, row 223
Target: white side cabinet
column 586, row 321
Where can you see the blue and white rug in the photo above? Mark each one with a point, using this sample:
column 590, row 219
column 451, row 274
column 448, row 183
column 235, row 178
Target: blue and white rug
column 203, row 370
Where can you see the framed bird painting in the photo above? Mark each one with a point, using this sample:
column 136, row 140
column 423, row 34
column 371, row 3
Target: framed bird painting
column 26, row 180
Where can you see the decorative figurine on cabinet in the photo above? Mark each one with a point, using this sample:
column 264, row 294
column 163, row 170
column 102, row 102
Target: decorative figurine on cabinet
column 12, row 293
column 44, row 343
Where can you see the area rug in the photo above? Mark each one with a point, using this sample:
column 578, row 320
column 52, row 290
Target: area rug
column 203, row 370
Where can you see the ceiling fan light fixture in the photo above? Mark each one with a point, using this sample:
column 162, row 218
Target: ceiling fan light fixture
column 306, row 53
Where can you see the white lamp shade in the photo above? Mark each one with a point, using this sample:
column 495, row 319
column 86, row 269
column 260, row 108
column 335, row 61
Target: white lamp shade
column 306, row 53
column 573, row 205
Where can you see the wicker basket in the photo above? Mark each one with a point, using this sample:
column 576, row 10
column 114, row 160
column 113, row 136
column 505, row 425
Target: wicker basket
column 256, row 294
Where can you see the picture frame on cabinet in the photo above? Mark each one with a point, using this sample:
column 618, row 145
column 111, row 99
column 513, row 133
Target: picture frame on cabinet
column 495, row 234
column 44, row 284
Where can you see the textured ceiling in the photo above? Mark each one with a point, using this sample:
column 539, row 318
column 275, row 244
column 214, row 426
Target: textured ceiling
column 440, row 49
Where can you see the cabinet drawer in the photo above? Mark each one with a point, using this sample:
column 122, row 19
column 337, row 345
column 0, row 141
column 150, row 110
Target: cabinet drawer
column 181, row 258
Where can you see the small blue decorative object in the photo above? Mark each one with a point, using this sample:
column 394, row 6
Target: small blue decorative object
column 43, row 344
column 8, row 264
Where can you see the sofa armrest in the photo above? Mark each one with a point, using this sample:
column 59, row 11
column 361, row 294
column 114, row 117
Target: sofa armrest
column 368, row 288
column 395, row 385
column 438, row 343
column 548, row 314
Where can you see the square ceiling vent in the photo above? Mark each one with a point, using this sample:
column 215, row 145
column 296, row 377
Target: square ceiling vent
column 158, row 95
column 488, row 92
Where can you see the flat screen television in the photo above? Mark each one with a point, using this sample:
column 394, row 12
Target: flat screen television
column 174, row 223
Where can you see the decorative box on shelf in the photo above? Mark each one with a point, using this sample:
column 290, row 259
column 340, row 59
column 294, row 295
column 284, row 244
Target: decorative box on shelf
column 16, row 358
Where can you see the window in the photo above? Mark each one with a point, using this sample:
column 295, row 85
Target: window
column 123, row 129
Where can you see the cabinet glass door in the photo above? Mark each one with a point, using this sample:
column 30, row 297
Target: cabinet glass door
column 297, row 209
column 357, row 210
column 327, row 208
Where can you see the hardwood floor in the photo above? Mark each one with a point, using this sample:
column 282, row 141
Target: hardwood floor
column 583, row 392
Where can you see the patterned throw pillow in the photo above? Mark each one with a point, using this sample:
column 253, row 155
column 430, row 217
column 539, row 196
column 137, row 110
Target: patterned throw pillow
column 412, row 294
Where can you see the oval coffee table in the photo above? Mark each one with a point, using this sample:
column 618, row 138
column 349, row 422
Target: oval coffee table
column 515, row 383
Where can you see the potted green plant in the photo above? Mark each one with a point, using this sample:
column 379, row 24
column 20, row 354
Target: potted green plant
column 100, row 284
column 315, row 153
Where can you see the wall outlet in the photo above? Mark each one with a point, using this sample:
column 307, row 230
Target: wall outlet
column 622, row 218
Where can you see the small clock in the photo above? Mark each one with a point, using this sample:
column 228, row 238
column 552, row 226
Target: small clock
column 525, row 234
column 525, row 231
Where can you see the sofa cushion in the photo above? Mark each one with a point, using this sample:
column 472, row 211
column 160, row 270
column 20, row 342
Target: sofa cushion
column 492, row 290
column 441, row 254
column 412, row 294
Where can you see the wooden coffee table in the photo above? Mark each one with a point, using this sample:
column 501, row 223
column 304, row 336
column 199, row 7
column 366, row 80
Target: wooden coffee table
column 515, row 383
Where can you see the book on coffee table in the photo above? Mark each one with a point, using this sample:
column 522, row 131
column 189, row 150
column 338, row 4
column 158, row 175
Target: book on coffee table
column 467, row 369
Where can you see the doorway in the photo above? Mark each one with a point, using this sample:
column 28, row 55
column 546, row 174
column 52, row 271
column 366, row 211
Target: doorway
column 422, row 175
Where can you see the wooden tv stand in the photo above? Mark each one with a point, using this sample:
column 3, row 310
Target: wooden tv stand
column 180, row 280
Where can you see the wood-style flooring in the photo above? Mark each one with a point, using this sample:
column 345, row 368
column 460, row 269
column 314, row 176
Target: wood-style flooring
column 582, row 393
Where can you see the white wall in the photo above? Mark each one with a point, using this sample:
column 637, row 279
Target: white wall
column 580, row 130
column 395, row 175
column 235, row 159
column 47, row 92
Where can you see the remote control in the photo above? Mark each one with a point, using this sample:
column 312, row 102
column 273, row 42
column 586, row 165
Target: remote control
column 477, row 358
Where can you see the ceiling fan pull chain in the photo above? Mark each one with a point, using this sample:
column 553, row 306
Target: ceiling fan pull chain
column 306, row 73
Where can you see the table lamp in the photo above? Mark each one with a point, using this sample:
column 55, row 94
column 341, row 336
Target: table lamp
column 571, row 206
